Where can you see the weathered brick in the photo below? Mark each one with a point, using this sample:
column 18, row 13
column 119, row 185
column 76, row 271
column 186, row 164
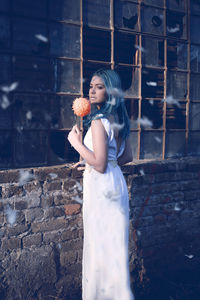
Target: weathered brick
column 49, row 225
column 54, row 212
column 52, row 186
column 61, row 199
column 44, row 173
column 34, row 239
column 10, row 244
column 72, row 209
column 34, row 214
column 17, row 229
column 47, row 201
column 49, row 237
column 9, row 176
column 32, row 186
column 19, row 205
column 71, row 245
column 11, row 190
column 68, row 258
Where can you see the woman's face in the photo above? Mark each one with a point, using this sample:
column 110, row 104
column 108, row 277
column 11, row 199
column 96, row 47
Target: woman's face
column 97, row 91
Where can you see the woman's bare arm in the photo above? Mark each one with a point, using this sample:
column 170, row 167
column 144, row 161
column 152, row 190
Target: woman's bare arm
column 98, row 157
column 127, row 155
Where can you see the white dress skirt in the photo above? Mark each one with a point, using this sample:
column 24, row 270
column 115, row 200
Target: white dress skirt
column 105, row 272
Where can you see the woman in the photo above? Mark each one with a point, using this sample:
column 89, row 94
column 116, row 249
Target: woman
column 105, row 274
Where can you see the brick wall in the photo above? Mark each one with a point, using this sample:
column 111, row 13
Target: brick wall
column 41, row 228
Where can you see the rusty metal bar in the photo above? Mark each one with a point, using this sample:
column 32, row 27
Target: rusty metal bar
column 165, row 84
column 139, row 81
column 188, row 79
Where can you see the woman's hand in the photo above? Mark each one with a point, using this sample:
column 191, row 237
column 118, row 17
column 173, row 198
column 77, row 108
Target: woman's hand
column 75, row 136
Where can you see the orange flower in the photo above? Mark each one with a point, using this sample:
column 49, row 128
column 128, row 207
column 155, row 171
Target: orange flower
column 81, row 107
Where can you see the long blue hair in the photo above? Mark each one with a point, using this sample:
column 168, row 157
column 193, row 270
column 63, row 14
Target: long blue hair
column 114, row 103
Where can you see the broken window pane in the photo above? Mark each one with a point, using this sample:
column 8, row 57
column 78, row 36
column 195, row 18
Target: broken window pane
column 68, row 76
column 126, row 15
column 134, row 143
column 154, row 2
column 5, row 69
column 177, row 85
column 194, row 29
column 36, row 8
column 31, row 111
column 195, row 58
column 176, row 24
column 194, row 116
column 153, row 52
column 64, row 40
column 130, row 80
column 152, row 83
column 30, row 148
column 4, row 5
column 151, row 114
column 5, row 149
column 175, row 144
column 33, row 73
column 96, row 12
column 5, row 112
column 30, row 36
column 195, row 6
column 88, row 70
column 132, row 110
column 62, row 115
column 176, row 116
column 60, row 150
column 152, row 20
column 176, row 4
column 194, row 87
column 4, row 32
column 151, row 145
column 125, row 54
column 64, row 10
column 176, row 55
column 96, row 44
column 194, row 143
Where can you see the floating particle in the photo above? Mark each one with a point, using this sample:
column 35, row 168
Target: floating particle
column 35, row 66
column 159, row 140
column 138, row 232
column 24, row 177
column 29, row 115
column 41, row 38
column 4, row 102
column 189, row 256
column 11, row 215
column 20, row 128
column 53, row 175
column 116, row 92
column 151, row 83
column 145, row 122
column 9, row 88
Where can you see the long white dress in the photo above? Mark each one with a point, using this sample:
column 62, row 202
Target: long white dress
column 105, row 272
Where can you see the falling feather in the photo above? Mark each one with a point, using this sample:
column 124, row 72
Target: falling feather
column 145, row 122
column 142, row 172
column 177, row 207
column 171, row 100
column 9, row 88
column 29, row 115
column 24, row 177
column 173, row 29
column 189, row 256
column 158, row 139
column 4, row 102
column 41, row 38
column 140, row 48
column 53, row 175
column 116, row 126
column 11, row 215
column 151, row 83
